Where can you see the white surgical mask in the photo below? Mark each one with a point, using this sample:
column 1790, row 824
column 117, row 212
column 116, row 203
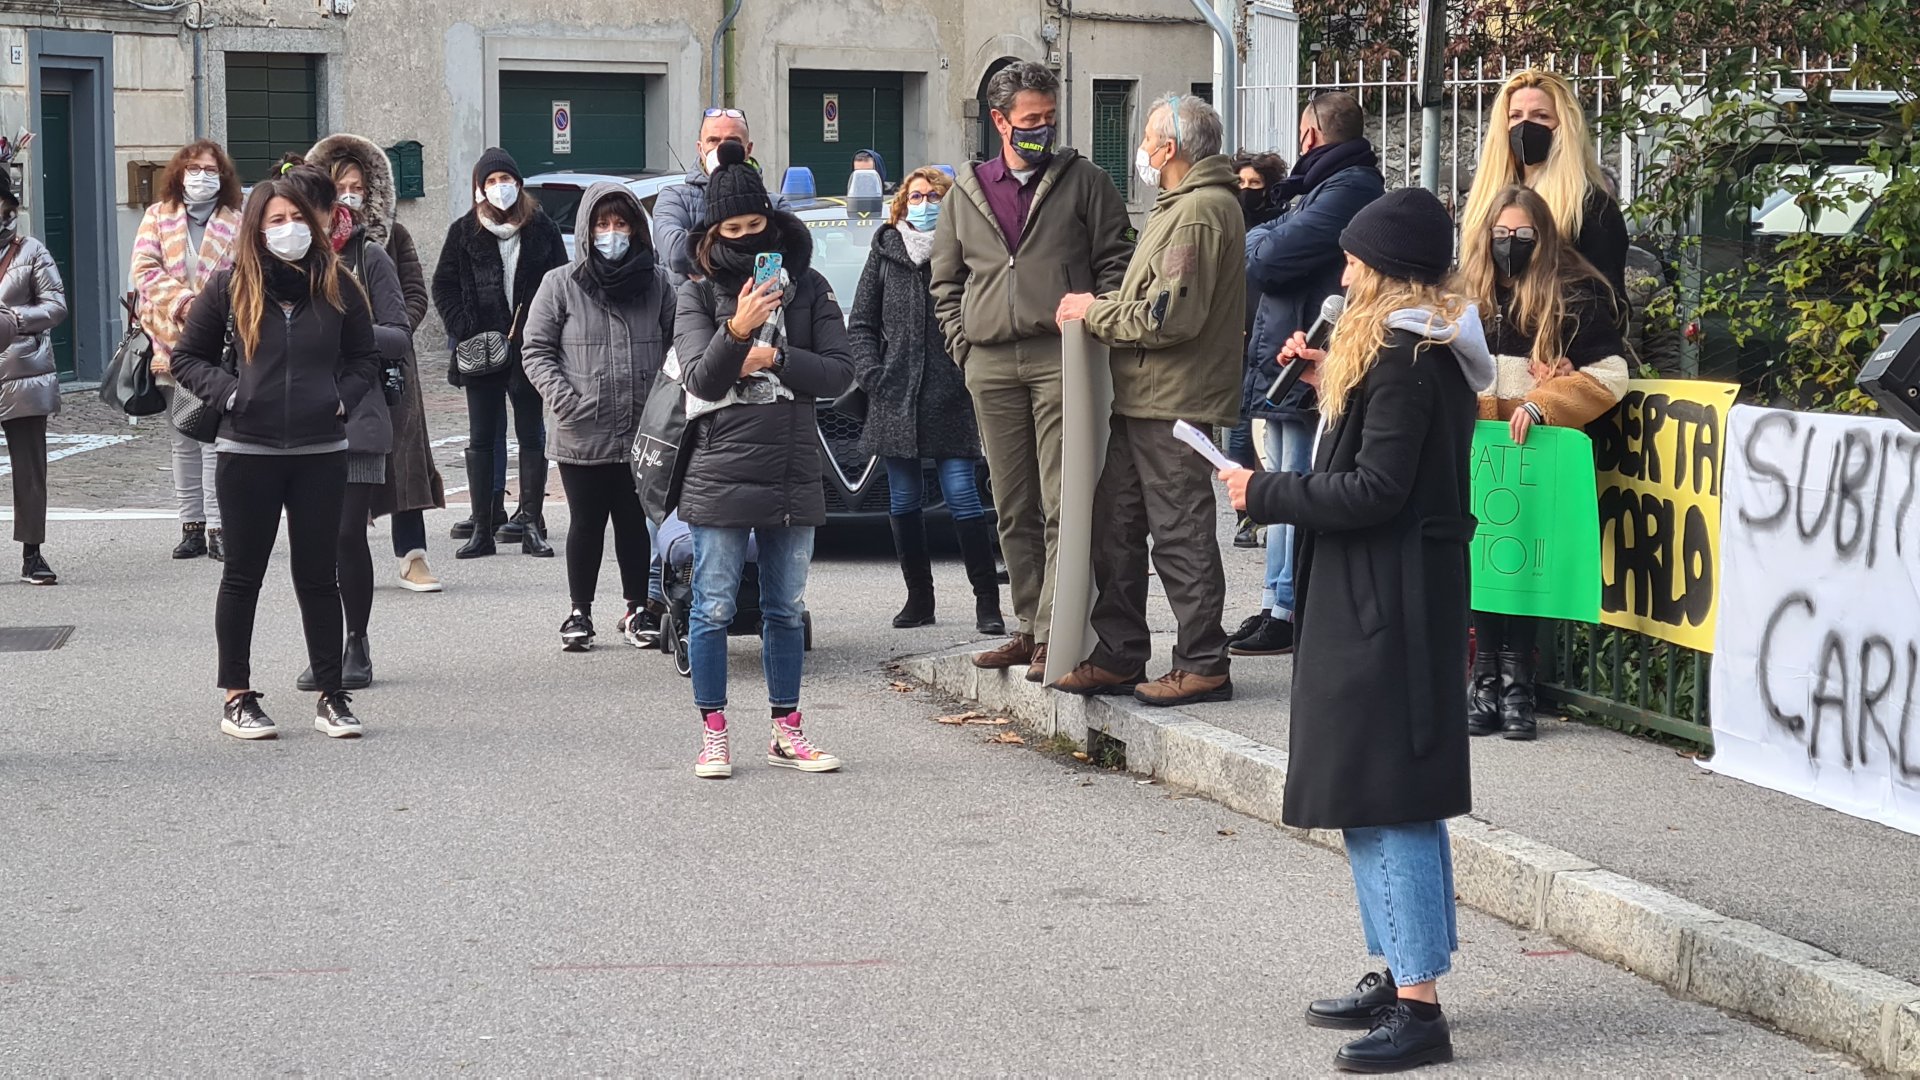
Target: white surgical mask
column 1143, row 168
column 612, row 245
column 289, row 242
column 503, row 195
column 353, row 202
column 711, row 161
column 201, row 189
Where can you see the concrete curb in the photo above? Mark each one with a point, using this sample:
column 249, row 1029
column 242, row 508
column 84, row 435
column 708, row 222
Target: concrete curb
column 1686, row 948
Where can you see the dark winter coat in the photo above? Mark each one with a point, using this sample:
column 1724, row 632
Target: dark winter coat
column 370, row 425
column 1381, row 575
column 311, row 362
column 413, row 483
column 1295, row 262
column 758, row 466
column 917, row 400
column 469, row 285
column 593, row 360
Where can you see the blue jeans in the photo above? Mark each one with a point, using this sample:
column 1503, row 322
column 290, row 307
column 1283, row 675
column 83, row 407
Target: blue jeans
column 1290, row 446
column 1403, row 875
column 719, row 560
column 957, row 485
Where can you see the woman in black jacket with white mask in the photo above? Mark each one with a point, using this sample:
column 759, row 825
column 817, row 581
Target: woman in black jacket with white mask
column 282, row 347
column 490, row 267
column 755, row 359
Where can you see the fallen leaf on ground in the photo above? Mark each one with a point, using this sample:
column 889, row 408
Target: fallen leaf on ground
column 900, row 687
column 1080, row 755
column 962, row 718
column 1009, row 737
column 1227, row 832
column 991, row 721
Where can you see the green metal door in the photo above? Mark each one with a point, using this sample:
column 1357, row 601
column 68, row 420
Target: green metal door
column 55, row 151
column 1113, row 143
column 870, row 113
column 272, row 109
column 605, row 129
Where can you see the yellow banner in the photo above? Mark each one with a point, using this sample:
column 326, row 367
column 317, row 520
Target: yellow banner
column 1658, row 458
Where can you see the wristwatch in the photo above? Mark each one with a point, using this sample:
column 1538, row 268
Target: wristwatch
column 779, row 361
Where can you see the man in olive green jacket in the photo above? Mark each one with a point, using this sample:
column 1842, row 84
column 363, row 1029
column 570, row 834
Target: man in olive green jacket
column 1015, row 235
column 1174, row 328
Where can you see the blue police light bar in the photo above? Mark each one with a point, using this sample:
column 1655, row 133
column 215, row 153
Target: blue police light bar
column 798, row 181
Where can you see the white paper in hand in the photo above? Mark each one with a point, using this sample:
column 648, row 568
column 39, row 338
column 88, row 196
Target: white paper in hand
column 1202, row 445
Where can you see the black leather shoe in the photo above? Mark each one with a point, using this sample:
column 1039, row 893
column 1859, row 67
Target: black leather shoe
column 1516, row 695
column 334, row 718
column 1248, row 628
column 1374, row 994
column 462, row 530
column 1248, row 534
column 1401, row 1041
column 216, row 546
column 1483, row 694
column 243, row 718
column 533, row 538
column 356, row 663
column 306, row 681
column 1273, row 638
column 193, row 541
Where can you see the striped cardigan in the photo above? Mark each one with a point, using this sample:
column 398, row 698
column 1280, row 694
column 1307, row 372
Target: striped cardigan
column 161, row 283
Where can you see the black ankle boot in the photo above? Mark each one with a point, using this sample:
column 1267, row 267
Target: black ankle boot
column 1516, row 694
column 976, row 550
column 193, row 541
column 916, row 566
column 356, row 663
column 1483, row 691
column 480, row 470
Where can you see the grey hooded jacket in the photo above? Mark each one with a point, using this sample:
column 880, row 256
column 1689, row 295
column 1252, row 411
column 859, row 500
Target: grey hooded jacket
column 593, row 361
column 32, row 291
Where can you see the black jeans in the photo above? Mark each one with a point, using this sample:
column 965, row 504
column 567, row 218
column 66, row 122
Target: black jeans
column 253, row 490
column 409, row 532
column 595, row 495
column 1506, row 633
column 487, row 417
column 356, row 557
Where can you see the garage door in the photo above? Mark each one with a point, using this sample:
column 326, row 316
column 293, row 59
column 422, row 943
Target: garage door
column 604, row 128
column 272, row 109
column 867, row 111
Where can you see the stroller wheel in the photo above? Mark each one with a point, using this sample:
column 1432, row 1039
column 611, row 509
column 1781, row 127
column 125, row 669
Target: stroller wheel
column 673, row 638
column 806, row 623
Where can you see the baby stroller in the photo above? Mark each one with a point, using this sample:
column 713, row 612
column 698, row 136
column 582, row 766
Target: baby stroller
column 676, row 582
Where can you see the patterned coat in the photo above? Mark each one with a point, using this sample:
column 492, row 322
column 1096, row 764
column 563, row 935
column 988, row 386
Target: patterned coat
column 163, row 285
column 917, row 400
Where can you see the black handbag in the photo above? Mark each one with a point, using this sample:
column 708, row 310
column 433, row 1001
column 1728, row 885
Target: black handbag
column 486, row 353
column 128, row 383
column 198, row 420
column 659, row 460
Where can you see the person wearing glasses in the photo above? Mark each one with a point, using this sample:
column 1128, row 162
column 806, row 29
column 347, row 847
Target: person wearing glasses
column 917, row 403
column 679, row 214
column 1554, row 328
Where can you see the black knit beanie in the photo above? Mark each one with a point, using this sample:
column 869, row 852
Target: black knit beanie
column 1403, row 234
column 735, row 187
column 493, row 161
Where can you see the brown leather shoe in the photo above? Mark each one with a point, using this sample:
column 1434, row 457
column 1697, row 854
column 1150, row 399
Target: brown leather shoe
column 1037, row 671
column 1090, row 679
column 1184, row 688
column 1018, row 650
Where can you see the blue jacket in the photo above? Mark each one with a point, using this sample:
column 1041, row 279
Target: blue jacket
column 1294, row 262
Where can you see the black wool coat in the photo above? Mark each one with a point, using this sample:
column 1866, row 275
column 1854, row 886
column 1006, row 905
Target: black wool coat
column 469, row 285
column 917, row 400
column 1379, row 691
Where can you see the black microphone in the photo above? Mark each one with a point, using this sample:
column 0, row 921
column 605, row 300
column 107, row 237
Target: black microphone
column 1317, row 337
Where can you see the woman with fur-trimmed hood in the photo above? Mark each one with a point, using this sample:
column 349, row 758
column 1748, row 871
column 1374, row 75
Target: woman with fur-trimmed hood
column 364, row 177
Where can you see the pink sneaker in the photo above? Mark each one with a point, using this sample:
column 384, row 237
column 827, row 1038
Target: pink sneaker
column 790, row 749
column 714, row 762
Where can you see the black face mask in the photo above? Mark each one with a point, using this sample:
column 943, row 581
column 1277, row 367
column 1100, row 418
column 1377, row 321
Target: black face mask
column 1252, row 199
column 1531, row 142
column 732, row 256
column 1034, row 145
column 1512, row 255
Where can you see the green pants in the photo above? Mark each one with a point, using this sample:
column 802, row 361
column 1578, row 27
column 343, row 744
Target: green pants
column 1016, row 398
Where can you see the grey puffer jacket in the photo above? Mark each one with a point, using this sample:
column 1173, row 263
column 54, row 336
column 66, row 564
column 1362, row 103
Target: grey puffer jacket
column 32, row 290
column 592, row 359
column 758, row 466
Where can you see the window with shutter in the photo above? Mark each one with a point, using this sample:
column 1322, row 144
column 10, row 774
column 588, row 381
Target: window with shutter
column 1113, row 131
column 272, row 109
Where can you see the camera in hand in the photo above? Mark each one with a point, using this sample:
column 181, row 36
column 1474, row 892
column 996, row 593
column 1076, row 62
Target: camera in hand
column 1317, row 337
column 393, row 381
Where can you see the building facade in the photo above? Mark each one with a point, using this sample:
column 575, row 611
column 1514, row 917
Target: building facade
column 110, row 88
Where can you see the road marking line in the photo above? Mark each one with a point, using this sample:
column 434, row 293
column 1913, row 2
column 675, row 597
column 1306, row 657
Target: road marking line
column 742, row 965
column 66, row 446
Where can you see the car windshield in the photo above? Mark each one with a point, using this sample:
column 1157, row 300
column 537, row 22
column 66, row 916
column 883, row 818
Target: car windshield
column 840, row 245
column 562, row 203
column 1855, row 185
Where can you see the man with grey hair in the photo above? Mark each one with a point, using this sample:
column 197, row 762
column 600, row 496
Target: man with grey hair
column 1017, row 234
column 1175, row 327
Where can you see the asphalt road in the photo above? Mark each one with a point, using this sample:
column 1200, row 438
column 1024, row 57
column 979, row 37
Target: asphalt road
column 516, row 873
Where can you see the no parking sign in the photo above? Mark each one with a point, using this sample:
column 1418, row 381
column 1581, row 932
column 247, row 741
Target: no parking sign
column 830, row 116
column 563, row 127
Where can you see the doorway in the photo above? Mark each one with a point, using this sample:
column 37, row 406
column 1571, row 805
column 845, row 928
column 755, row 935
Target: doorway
column 989, row 145
column 72, row 181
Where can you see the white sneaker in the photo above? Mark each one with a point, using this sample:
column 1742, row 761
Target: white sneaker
column 415, row 575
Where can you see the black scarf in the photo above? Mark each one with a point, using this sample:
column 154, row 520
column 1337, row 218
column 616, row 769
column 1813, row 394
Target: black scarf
column 287, row 283
column 618, row 282
column 1322, row 162
column 732, row 258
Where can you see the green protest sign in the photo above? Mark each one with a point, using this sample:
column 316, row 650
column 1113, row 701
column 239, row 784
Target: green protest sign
column 1537, row 550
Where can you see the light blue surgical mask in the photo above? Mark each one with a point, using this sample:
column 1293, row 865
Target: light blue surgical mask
column 923, row 216
column 611, row 245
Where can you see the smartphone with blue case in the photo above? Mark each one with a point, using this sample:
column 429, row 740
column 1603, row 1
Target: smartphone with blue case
column 766, row 267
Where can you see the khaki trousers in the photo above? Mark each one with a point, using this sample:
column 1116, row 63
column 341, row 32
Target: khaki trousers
column 1016, row 398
